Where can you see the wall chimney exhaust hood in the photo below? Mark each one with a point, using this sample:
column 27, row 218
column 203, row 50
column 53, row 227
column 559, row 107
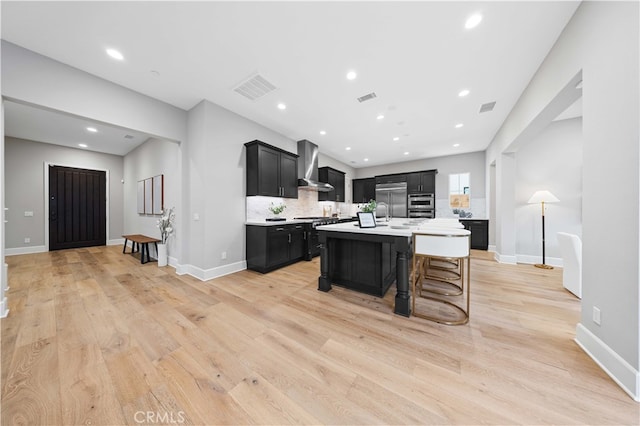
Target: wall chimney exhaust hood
column 308, row 168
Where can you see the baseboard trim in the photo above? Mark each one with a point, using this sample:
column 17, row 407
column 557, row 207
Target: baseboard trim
column 209, row 274
column 532, row 260
column 4, row 308
column 491, row 248
column 116, row 242
column 627, row 377
column 24, row 250
column 502, row 258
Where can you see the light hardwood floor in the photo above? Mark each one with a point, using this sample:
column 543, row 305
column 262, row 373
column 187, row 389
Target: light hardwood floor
column 94, row 337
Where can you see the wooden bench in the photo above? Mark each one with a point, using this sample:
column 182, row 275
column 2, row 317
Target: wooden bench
column 137, row 241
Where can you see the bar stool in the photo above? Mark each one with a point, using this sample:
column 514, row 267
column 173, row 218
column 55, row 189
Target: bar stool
column 447, row 245
column 444, row 271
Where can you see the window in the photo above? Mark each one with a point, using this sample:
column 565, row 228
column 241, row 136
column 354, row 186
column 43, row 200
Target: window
column 459, row 191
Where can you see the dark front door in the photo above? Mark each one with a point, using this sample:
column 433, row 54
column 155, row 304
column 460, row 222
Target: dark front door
column 77, row 208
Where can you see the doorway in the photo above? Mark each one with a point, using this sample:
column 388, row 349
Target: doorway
column 77, row 208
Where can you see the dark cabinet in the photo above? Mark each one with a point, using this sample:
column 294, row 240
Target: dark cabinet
column 336, row 179
column 272, row 247
column 364, row 190
column 421, row 182
column 479, row 232
column 271, row 171
column 395, row 178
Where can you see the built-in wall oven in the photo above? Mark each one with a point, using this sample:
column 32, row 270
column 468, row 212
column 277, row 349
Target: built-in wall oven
column 421, row 205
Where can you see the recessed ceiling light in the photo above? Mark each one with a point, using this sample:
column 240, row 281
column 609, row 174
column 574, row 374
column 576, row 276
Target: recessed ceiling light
column 82, row 145
column 322, row 132
column 459, row 125
column 282, row 106
column 406, row 153
column 366, row 159
column 380, row 117
column 396, row 138
column 351, row 75
column 456, row 145
column 463, row 93
column 348, row 148
column 92, row 129
column 115, row 54
column 473, row 21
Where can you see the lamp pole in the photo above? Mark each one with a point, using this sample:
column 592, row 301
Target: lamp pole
column 543, row 265
column 542, row 197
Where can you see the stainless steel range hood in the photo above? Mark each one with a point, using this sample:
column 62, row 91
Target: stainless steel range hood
column 308, row 168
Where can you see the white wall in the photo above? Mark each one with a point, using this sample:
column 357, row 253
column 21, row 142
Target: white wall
column 214, row 177
column 25, row 190
column 551, row 161
column 600, row 45
column 4, row 308
column 152, row 158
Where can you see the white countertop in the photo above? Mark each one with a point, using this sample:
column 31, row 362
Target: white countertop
column 264, row 222
column 398, row 227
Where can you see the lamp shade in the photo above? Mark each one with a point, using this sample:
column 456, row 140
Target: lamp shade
column 543, row 197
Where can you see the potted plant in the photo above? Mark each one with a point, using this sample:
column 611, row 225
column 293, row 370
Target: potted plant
column 277, row 209
column 165, row 224
column 369, row 207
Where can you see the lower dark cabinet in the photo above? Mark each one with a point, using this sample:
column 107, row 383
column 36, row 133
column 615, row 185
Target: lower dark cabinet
column 272, row 247
column 479, row 232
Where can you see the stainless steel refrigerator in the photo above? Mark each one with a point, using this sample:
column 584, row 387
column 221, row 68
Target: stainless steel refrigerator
column 394, row 195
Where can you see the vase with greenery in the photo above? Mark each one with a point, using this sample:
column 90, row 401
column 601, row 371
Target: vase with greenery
column 165, row 224
column 368, row 207
column 277, row 209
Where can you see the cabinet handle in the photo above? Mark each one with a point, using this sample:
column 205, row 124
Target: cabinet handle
column 279, row 229
column 289, row 237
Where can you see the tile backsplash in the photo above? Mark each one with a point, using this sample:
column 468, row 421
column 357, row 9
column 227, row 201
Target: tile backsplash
column 305, row 205
column 477, row 208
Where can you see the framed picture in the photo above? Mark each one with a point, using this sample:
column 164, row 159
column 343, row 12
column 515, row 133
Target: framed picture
column 158, row 194
column 366, row 220
column 148, row 196
column 141, row 197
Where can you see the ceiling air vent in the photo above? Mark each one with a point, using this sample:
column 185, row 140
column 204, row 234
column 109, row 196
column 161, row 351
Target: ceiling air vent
column 487, row 107
column 254, row 87
column 367, row 97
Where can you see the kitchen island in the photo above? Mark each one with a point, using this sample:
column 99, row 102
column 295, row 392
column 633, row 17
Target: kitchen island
column 368, row 260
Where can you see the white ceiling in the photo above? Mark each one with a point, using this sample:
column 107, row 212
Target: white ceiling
column 28, row 122
column 416, row 56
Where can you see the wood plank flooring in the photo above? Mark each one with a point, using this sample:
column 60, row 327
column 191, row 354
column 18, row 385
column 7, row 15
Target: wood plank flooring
column 94, row 337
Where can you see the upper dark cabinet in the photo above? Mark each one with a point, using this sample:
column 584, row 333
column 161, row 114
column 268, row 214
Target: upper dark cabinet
column 336, row 179
column 395, row 178
column 364, row 190
column 271, row 171
column 421, row 182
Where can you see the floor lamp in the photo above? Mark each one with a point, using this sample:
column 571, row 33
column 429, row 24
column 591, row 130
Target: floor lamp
column 543, row 197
